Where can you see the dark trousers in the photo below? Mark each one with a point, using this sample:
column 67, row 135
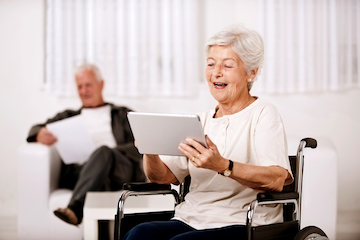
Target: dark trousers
column 106, row 170
column 177, row 230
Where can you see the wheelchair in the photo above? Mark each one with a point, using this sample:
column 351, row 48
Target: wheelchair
column 290, row 198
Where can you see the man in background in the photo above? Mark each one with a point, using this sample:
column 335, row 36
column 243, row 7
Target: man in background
column 116, row 160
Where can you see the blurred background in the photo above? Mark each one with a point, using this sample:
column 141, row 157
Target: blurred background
column 329, row 109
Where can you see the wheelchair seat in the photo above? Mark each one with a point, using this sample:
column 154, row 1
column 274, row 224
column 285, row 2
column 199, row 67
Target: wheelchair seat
column 290, row 198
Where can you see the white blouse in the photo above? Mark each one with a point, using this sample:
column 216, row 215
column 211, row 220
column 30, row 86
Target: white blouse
column 253, row 136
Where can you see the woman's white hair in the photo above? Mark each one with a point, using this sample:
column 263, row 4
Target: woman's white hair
column 246, row 43
column 89, row 67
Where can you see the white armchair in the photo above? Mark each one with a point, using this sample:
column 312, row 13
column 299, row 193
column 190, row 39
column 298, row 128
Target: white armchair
column 38, row 195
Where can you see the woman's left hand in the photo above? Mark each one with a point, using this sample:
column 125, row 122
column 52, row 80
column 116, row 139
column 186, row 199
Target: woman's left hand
column 203, row 157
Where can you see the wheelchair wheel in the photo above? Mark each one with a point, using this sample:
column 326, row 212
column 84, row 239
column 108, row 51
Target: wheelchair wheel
column 311, row 233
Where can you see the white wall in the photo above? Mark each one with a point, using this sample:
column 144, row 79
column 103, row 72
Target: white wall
column 335, row 115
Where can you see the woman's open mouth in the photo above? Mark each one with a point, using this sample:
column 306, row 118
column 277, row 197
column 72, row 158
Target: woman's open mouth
column 220, row 85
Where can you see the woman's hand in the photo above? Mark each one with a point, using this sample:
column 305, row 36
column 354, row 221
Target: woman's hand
column 203, row 157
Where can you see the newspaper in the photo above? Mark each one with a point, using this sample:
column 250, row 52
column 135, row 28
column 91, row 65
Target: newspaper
column 74, row 142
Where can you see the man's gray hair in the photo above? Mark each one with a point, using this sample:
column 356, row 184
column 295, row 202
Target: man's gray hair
column 88, row 66
column 246, row 43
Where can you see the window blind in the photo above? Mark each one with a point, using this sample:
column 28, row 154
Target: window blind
column 142, row 47
column 310, row 45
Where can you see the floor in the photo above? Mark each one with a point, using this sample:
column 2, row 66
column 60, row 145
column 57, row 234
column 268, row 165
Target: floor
column 348, row 227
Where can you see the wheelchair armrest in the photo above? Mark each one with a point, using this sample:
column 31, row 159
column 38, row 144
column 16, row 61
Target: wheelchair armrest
column 268, row 198
column 142, row 186
column 274, row 196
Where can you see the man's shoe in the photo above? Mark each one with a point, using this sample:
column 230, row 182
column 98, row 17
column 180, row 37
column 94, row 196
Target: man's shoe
column 67, row 215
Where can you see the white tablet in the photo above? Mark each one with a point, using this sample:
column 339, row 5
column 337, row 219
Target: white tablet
column 161, row 134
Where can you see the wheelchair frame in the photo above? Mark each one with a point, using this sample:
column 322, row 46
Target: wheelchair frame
column 286, row 229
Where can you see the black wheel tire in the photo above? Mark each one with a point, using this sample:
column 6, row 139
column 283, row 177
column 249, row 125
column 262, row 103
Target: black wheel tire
column 310, row 233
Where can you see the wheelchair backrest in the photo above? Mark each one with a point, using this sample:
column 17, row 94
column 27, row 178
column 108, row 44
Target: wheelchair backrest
column 293, row 164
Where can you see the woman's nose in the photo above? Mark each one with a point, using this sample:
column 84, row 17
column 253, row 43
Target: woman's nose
column 218, row 70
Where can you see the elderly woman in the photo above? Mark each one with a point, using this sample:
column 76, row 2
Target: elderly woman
column 246, row 154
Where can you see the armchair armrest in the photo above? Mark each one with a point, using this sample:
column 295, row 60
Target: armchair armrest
column 38, row 170
column 38, row 175
column 39, row 164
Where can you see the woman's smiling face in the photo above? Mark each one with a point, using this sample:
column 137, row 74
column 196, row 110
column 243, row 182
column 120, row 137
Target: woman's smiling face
column 226, row 75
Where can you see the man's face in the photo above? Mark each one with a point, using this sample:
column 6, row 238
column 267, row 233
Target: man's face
column 89, row 89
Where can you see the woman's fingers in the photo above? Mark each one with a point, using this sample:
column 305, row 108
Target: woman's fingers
column 199, row 155
column 188, row 150
column 191, row 153
column 196, row 145
column 195, row 152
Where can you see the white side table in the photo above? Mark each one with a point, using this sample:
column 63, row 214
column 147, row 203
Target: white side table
column 103, row 206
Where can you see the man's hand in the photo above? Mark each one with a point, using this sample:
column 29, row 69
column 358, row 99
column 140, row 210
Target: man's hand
column 45, row 137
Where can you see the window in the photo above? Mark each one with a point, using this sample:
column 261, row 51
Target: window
column 310, row 45
column 142, row 47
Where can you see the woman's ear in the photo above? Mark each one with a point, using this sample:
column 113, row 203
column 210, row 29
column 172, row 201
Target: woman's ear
column 253, row 74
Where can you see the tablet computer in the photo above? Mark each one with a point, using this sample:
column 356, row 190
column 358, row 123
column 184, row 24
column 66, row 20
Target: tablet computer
column 161, row 133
